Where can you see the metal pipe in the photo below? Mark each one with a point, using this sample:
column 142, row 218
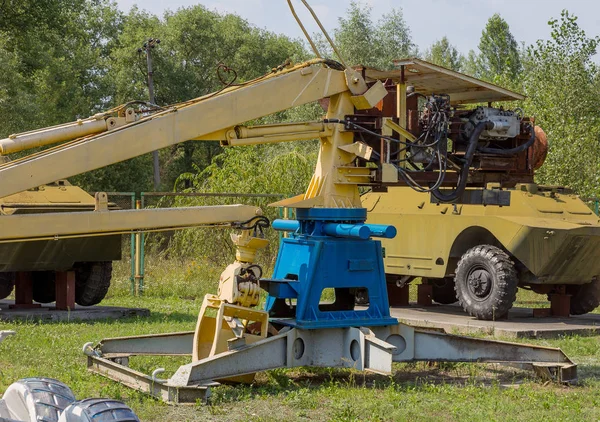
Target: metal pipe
column 48, row 136
column 143, row 252
column 138, row 255
column 132, row 255
column 310, row 41
column 382, row 230
column 285, row 225
column 463, row 174
column 358, row 231
column 280, row 129
column 333, row 47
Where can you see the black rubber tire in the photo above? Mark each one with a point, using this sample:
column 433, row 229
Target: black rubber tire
column 47, row 398
column 443, row 291
column 486, row 282
column 43, row 286
column 585, row 297
column 99, row 409
column 92, row 280
column 7, row 283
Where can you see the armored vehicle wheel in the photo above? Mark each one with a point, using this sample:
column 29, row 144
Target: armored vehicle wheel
column 92, row 280
column 585, row 297
column 43, row 286
column 7, row 283
column 443, row 291
column 486, row 282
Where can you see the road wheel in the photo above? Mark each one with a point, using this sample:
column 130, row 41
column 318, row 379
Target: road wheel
column 7, row 283
column 92, row 280
column 43, row 286
column 443, row 291
column 486, row 282
column 584, row 297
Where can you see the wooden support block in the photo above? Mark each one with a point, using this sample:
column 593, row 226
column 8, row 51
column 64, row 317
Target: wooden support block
column 65, row 290
column 542, row 312
column 398, row 296
column 424, row 293
column 560, row 305
column 24, row 291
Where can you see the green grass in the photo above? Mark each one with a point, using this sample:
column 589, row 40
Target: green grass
column 417, row 391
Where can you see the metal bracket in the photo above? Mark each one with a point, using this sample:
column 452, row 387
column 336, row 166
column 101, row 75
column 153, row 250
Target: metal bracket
column 101, row 199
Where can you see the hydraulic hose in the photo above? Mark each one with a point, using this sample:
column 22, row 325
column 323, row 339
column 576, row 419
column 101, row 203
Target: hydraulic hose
column 511, row 151
column 464, row 172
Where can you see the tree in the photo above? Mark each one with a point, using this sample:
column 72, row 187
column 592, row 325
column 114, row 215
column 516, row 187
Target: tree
column 355, row 36
column 499, row 51
column 470, row 64
column 393, row 39
column 55, row 59
column 561, row 80
column 194, row 41
column 445, row 54
column 361, row 42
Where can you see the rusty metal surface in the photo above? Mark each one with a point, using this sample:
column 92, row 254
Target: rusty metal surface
column 521, row 322
column 146, row 384
column 428, row 78
column 169, row 344
column 424, row 293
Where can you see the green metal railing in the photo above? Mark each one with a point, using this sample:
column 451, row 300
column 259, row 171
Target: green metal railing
column 594, row 204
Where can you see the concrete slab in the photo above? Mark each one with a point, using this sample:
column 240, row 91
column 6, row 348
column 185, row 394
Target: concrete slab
column 520, row 322
column 81, row 313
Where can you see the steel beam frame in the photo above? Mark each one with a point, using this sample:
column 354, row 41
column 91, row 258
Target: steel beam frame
column 371, row 349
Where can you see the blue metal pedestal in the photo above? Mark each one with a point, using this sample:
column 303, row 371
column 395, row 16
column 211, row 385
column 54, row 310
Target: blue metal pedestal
column 329, row 249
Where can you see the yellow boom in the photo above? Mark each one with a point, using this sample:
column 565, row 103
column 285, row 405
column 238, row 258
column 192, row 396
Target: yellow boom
column 216, row 116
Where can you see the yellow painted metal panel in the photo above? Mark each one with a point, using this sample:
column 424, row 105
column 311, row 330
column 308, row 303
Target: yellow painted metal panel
column 60, row 225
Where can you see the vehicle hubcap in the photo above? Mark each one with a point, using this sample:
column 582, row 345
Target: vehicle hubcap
column 480, row 283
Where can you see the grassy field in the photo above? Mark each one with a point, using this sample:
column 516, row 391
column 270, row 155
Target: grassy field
column 415, row 391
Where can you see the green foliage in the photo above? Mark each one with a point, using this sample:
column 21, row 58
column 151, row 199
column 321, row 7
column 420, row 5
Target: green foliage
column 282, row 170
column 561, row 81
column 54, row 59
column 445, row 54
column 361, row 42
column 499, row 51
column 194, row 41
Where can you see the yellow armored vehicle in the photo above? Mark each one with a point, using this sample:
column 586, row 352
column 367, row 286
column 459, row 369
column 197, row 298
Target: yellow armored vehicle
column 90, row 257
column 477, row 227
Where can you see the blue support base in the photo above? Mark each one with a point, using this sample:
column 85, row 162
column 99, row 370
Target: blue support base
column 329, row 250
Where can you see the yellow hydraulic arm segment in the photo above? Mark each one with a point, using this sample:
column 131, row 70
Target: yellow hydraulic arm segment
column 102, row 222
column 213, row 117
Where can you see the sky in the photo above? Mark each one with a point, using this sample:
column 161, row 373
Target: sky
column 429, row 20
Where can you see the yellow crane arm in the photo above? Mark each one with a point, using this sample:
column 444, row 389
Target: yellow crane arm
column 214, row 117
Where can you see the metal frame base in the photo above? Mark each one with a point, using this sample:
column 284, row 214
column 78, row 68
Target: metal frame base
column 371, row 349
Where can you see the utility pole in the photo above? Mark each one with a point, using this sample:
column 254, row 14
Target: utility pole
column 147, row 47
